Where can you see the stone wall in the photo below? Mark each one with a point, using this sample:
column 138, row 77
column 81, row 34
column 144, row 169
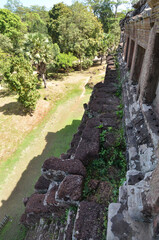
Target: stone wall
column 58, row 210
column 136, row 214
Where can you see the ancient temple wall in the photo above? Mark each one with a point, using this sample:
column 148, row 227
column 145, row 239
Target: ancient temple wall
column 141, row 51
column 138, row 203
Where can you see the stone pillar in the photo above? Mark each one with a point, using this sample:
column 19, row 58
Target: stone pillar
column 125, row 47
column 130, row 55
column 133, row 65
column 128, row 52
column 147, row 67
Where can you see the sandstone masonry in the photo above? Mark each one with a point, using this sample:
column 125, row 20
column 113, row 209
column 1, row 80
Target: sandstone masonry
column 135, row 216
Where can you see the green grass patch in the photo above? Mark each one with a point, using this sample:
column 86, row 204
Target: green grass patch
column 4, row 230
column 7, row 166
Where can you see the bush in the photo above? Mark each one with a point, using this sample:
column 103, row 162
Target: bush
column 65, row 61
column 87, row 63
column 20, row 79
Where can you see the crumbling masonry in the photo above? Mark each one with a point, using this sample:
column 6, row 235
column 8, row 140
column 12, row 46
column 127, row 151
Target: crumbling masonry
column 59, row 190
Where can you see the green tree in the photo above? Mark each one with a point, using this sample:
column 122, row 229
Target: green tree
column 59, row 11
column 65, row 61
column 20, row 79
column 118, row 3
column 102, row 9
column 40, row 51
column 35, row 23
column 11, row 26
column 76, row 32
column 6, row 51
column 41, row 10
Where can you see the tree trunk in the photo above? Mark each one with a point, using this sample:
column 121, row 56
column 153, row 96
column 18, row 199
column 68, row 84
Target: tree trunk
column 101, row 60
column 80, row 64
column 44, row 80
column 116, row 9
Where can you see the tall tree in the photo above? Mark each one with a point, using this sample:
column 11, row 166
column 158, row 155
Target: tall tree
column 59, row 11
column 35, row 23
column 11, row 26
column 40, row 51
column 118, row 3
column 41, row 10
column 102, row 9
column 76, row 30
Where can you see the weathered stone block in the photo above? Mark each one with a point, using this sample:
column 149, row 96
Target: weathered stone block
column 89, row 221
column 70, row 190
column 88, row 147
column 35, row 209
column 56, row 169
column 133, row 177
column 42, row 185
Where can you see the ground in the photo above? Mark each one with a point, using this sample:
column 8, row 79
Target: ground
column 28, row 140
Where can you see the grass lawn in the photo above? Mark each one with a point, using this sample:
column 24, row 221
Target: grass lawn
column 27, row 141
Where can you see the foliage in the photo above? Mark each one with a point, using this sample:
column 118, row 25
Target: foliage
column 38, row 48
column 19, row 76
column 134, row 1
column 6, row 51
column 117, row 3
column 40, row 51
column 102, row 10
column 11, row 26
column 34, row 23
column 22, row 233
column 75, row 29
column 58, row 11
column 65, row 61
column 86, row 63
column 110, row 157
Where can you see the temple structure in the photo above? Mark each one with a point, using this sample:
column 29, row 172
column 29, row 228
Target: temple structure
column 136, row 215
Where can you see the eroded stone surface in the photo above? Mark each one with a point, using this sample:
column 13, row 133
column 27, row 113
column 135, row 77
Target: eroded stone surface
column 88, row 147
column 56, row 169
column 70, row 189
column 35, row 209
column 89, row 221
column 42, row 185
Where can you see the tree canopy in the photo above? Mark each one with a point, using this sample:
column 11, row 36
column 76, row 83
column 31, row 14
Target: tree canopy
column 40, row 51
column 51, row 40
column 11, row 26
column 74, row 29
column 19, row 77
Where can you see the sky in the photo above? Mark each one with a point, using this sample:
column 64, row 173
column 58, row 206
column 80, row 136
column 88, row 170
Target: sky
column 47, row 3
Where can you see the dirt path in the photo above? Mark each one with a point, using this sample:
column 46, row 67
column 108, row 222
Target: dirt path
column 52, row 139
